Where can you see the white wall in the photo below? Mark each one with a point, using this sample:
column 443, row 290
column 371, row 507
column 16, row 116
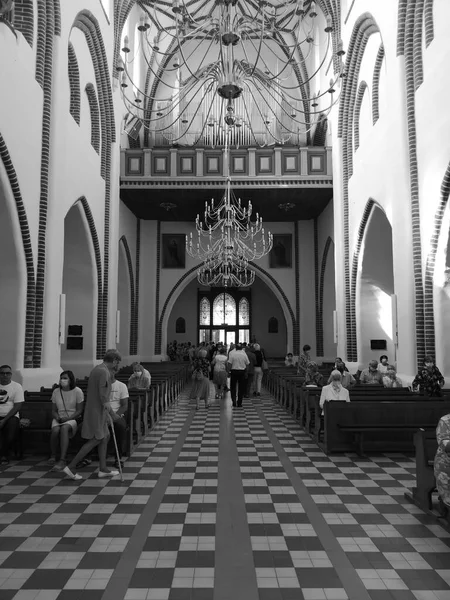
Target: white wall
column 381, row 165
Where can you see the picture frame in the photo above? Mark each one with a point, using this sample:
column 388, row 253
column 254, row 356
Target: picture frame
column 173, row 251
column 280, row 256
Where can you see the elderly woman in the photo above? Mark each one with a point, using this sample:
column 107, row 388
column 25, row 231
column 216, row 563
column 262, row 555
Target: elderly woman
column 304, row 360
column 429, row 379
column 442, row 463
column 335, row 390
column 390, row 379
column 313, row 377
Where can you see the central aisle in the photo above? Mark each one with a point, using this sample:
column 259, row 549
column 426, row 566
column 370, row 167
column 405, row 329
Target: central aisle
column 222, row 504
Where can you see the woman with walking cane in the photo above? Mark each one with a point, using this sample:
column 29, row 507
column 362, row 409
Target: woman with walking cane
column 96, row 419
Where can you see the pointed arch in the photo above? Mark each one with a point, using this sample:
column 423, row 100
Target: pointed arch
column 376, row 84
column 28, row 252
column 187, row 277
column 323, row 266
column 365, row 26
column 430, row 337
column 98, row 262
column 359, row 100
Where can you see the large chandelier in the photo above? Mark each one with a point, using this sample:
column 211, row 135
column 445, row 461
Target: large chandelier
column 259, row 63
column 227, row 240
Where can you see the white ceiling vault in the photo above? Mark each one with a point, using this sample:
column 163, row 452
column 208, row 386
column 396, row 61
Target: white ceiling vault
column 206, row 72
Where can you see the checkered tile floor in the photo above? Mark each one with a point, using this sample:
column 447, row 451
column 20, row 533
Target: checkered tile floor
column 318, row 527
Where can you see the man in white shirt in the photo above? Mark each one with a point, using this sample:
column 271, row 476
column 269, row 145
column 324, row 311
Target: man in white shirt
column 119, row 405
column 237, row 366
column 11, row 398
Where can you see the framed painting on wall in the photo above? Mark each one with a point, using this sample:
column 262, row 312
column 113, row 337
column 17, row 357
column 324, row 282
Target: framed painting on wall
column 280, row 256
column 173, row 251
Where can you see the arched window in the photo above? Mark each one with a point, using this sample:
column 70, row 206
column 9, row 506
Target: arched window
column 244, row 312
column 180, row 325
column 224, row 315
column 273, row 325
column 205, row 309
column 224, row 310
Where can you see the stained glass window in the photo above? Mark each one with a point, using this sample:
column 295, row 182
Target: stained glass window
column 244, row 312
column 205, row 317
column 224, row 310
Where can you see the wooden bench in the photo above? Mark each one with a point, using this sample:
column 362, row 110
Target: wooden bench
column 426, row 446
column 382, row 425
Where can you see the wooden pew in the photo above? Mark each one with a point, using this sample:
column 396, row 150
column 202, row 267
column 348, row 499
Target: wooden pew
column 379, row 425
column 426, row 445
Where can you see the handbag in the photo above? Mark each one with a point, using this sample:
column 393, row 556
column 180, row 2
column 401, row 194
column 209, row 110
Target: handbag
column 79, row 419
column 264, row 365
column 198, row 375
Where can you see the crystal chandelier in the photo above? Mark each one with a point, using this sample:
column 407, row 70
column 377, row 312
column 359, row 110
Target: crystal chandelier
column 260, row 63
column 227, row 240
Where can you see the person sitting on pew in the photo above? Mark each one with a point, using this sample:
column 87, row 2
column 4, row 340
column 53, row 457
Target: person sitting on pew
column 11, row 397
column 442, row 463
column 335, row 390
column 390, row 379
column 67, row 410
column 313, row 378
column 141, row 378
column 347, row 378
column 289, row 360
column 119, row 406
column 429, row 379
column 371, row 375
column 383, row 364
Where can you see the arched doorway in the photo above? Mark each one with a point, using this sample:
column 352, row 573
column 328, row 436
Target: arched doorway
column 374, row 290
column 80, row 288
column 12, row 281
column 264, row 304
column 224, row 316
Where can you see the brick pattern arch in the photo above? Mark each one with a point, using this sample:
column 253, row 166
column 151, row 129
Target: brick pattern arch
column 132, row 345
column 137, row 285
column 320, row 134
column 319, row 326
column 95, row 118
column 47, row 28
column 410, row 25
column 23, row 19
column 28, row 252
column 430, row 338
column 89, row 26
column 376, row 84
column 365, row 26
column 429, row 22
column 74, row 84
column 98, row 261
column 159, row 321
column 359, row 100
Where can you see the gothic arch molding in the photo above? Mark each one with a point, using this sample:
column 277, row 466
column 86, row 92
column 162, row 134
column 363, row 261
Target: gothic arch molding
column 161, row 325
column 13, row 186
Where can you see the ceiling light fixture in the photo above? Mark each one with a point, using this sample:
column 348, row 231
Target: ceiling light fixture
column 257, row 60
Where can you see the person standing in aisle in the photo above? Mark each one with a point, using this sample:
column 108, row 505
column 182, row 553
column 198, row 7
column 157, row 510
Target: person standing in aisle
column 95, row 421
column 237, row 365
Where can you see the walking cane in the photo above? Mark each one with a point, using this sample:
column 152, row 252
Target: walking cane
column 115, row 446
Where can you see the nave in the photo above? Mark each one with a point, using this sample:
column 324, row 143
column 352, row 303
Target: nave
column 222, row 504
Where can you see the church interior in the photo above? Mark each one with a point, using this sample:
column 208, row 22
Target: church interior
column 219, row 171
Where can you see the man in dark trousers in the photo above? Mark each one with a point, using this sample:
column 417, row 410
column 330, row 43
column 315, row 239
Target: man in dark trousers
column 95, row 420
column 237, row 366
